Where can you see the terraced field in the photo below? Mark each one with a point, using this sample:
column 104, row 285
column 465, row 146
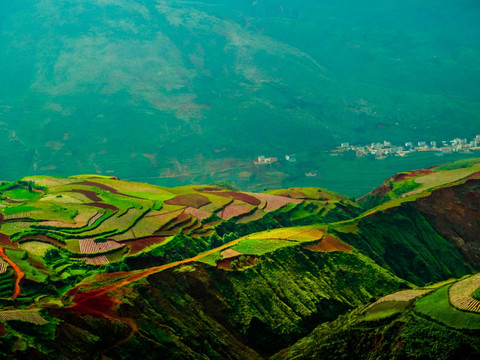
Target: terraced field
column 438, row 307
column 91, row 214
column 460, row 294
column 278, row 262
column 32, row 316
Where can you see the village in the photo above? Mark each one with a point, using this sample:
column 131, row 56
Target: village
column 387, row 149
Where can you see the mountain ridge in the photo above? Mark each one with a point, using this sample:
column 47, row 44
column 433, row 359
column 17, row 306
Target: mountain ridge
column 223, row 273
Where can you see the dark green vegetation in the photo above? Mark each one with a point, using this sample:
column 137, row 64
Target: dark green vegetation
column 195, row 90
column 96, row 267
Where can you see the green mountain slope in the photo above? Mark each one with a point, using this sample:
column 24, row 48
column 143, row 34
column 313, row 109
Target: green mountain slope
column 425, row 325
column 96, row 267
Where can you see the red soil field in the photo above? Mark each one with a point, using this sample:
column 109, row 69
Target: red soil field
column 275, row 202
column 199, row 214
column 94, row 302
column 191, row 200
column 42, row 238
column 233, row 210
column 5, row 239
column 90, row 194
column 474, row 176
column 239, row 196
column 403, row 176
column 140, row 244
column 102, row 205
column 329, row 243
column 3, row 332
column 225, row 264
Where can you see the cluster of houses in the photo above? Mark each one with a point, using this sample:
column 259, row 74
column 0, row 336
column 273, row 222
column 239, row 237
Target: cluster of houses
column 385, row 149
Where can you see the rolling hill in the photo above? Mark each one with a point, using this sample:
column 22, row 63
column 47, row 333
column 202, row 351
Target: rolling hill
column 96, row 267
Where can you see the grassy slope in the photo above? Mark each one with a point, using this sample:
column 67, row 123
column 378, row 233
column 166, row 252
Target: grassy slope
column 427, row 327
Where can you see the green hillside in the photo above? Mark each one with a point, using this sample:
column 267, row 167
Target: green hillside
column 416, row 324
column 93, row 266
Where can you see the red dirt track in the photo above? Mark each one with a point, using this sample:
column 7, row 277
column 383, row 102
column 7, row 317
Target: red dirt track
column 18, row 273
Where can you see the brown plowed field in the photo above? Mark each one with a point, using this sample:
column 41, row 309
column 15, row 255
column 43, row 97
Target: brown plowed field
column 102, row 205
column 191, row 200
column 89, row 194
column 42, row 238
column 230, row 253
column 5, row 239
column 329, row 243
column 275, row 202
column 225, row 264
column 199, row 214
column 233, row 210
column 140, row 244
column 249, row 199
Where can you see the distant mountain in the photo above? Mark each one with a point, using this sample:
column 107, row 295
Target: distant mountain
column 194, row 89
column 96, row 267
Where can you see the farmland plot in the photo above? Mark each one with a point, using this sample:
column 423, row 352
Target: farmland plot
column 32, row 316
column 115, row 223
column 301, row 233
column 275, row 202
column 460, row 294
column 19, row 215
column 149, row 224
column 82, row 219
column 233, row 210
column 90, row 246
column 97, row 260
column 404, row 296
column 3, row 266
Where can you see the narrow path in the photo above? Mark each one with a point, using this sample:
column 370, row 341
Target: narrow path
column 19, row 274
